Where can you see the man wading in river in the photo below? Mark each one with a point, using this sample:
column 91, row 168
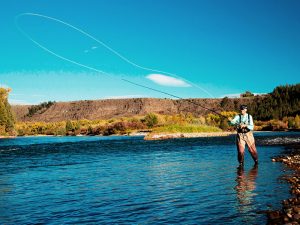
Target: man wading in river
column 244, row 123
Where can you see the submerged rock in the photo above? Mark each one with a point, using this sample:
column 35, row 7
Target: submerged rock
column 290, row 212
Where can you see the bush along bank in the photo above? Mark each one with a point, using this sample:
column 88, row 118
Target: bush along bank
column 121, row 126
column 180, row 123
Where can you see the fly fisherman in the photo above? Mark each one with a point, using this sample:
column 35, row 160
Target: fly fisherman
column 244, row 125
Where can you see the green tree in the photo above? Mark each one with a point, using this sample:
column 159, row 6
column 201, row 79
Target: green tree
column 7, row 119
column 69, row 126
column 247, row 94
column 40, row 108
column 77, row 125
column 224, row 124
column 291, row 122
column 90, row 130
column 224, row 102
column 151, row 120
column 297, row 122
column 284, row 101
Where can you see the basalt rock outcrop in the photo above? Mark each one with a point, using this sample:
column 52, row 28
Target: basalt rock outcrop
column 116, row 108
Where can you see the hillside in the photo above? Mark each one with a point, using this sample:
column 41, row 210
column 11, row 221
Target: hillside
column 116, row 108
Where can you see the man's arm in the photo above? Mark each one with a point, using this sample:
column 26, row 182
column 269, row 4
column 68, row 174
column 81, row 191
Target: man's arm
column 234, row 121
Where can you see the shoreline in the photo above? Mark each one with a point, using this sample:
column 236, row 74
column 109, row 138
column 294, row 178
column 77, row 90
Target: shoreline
column 169, row 135
column 147, row 136
column 8, row 137
column 164, row 136
column 150, row 136
column 290, row 211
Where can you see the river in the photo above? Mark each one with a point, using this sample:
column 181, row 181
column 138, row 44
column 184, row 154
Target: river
column 127, row 180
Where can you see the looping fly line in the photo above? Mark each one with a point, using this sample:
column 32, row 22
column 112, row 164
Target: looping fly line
column 112, row 51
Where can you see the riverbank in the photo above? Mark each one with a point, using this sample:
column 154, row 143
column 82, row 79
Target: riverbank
column 290, row 211
column 1, row 137
column 147, row 135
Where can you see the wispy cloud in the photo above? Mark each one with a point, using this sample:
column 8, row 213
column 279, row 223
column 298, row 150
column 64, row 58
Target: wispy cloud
column 167, row 80
column 90, row 49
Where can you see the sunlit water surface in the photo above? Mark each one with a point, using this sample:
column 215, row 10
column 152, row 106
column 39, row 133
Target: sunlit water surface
column 126, row 180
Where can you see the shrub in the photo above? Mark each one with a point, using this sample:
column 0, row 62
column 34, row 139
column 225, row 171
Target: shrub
column 176, row 128
column 151, row 120
column 247, row 94
column 69, row 126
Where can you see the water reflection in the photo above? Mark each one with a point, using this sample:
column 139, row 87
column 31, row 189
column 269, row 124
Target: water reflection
column 246, row 184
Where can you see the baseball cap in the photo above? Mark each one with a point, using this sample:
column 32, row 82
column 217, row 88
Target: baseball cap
column 243, row 107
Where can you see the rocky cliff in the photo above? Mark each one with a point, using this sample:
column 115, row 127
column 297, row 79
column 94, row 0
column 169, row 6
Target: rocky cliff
column 114, row 108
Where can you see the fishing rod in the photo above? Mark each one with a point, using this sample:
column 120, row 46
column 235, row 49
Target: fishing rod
column 166, row 93
column 237, row 125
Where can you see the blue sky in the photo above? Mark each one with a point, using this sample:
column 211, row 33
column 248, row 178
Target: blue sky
column 187, row 48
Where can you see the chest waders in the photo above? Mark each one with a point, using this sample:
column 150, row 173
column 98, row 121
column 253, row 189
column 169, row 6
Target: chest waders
column 244, row 136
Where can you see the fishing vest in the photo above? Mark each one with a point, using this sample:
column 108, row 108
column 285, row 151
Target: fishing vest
column 245, row 129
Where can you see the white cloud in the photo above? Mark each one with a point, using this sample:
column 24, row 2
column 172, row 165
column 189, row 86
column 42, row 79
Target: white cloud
column 167, row 80
column 94, row 47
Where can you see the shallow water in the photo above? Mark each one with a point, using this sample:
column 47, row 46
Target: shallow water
column 126, row 180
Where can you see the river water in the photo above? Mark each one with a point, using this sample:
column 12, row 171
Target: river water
column 126, row 180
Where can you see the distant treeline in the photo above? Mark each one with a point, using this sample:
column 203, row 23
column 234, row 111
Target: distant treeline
column 7, row 119
column 40, row 108
column 280, row 104
column 283, row 102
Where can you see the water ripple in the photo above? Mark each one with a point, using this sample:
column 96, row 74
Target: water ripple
column 131, row 181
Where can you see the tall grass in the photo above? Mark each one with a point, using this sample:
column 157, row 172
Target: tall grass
column 188, row 128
